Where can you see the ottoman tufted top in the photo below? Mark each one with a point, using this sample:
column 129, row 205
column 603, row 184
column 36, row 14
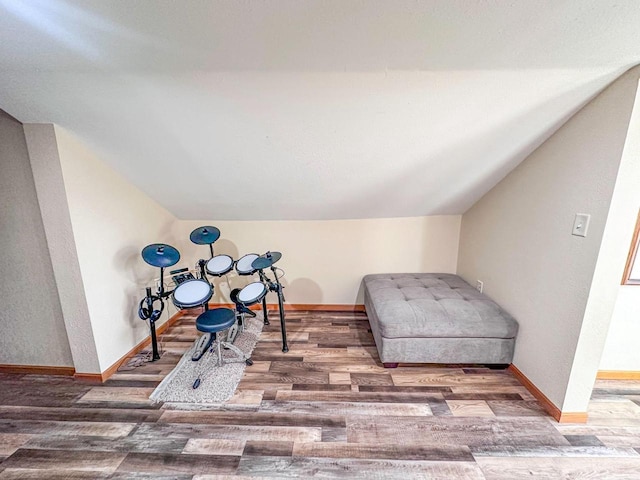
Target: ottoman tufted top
column 435, row 305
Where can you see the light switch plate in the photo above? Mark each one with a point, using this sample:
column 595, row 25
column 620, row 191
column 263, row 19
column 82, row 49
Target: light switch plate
column 581, row 224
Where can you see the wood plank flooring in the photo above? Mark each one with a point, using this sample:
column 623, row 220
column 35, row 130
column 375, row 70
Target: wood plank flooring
column 326, row 409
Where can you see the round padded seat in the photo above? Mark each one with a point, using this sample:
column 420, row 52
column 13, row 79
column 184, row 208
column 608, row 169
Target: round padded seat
column 215, row 320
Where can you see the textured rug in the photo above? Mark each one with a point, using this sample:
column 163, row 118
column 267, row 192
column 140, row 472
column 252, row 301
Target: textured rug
column 218, row 384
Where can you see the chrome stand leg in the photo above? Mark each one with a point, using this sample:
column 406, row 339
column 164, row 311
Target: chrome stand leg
column 219, row 346
column 232, row 333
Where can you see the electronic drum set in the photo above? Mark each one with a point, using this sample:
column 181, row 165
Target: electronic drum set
column 194, row 289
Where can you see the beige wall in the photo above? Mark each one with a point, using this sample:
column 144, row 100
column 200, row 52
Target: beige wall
column 326, row 260
column 31, row 319
column 52, row 198
column 611, row 259
column 517, row 239
column 112, row 221
column 621, row 350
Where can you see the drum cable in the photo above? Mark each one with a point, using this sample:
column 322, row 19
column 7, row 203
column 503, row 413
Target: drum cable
column 281, row 276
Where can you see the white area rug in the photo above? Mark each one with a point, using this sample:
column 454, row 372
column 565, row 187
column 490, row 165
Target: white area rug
column 218, row 384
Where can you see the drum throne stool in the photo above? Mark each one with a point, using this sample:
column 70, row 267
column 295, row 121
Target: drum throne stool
column 214, row 322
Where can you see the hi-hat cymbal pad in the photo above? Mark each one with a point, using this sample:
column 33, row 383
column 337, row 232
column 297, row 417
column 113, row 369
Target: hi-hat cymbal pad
column 266, row 260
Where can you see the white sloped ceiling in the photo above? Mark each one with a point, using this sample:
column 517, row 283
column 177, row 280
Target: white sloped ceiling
column 255, row 110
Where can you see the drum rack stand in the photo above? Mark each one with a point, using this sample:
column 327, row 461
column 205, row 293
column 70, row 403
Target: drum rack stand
column 275, row 287
column 152, row 324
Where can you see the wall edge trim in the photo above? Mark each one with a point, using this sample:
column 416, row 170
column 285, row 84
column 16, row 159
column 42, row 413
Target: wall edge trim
column 618, row 375
column 37, row 370
column 548, row 405
column 573, row 417
column 89, row 377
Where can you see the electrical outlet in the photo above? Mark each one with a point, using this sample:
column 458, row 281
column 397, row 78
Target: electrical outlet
column 479, row 285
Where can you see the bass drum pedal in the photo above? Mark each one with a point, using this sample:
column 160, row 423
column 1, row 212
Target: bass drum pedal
column 204, row 342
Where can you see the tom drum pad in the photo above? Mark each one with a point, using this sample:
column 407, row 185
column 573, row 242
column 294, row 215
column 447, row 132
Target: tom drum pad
column 252, row 293
column 219, row 265
column 243, row 265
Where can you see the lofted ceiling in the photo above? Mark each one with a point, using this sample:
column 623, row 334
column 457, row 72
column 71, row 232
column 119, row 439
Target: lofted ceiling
column 300, row 109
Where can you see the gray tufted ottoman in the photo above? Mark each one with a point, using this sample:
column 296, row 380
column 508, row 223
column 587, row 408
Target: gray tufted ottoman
column 436, row 318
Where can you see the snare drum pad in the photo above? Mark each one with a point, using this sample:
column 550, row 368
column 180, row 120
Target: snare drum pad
column 192, row 293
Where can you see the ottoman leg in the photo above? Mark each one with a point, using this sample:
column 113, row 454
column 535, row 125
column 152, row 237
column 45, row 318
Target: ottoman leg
column 497, row 366
column 390, row 365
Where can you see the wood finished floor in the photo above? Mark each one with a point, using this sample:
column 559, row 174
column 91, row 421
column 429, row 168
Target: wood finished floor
column 326, row 409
